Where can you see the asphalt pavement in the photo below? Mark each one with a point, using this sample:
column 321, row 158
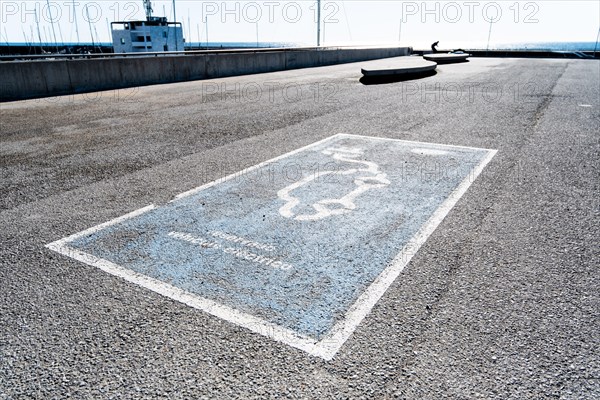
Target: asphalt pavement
column 501, row 301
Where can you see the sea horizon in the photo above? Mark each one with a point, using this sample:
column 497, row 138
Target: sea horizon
column 547, row 46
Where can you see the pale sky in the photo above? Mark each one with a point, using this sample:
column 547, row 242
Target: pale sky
column 412, row 23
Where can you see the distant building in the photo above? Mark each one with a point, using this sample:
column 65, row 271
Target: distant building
column 153, row 35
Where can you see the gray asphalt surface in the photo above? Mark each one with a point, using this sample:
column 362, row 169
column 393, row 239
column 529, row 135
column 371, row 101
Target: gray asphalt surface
column 501, row 302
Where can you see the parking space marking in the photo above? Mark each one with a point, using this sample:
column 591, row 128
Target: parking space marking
column 298, row 248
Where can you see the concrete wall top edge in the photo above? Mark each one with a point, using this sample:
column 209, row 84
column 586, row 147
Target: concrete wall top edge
column 44, row 78
column 196, row 53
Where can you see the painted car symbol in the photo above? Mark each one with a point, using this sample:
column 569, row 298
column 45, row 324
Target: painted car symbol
column 368, row 177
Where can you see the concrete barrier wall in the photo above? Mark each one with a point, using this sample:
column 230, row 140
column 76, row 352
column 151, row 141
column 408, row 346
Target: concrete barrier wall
column 33, row 79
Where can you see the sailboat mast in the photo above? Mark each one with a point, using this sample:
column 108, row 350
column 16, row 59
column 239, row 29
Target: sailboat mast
column 176, row 35
column 75, row 19
column 37, row 23
column 318, row 23
column 52, row 24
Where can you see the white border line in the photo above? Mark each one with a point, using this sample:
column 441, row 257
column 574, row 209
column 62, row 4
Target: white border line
column 250, row 169
column 411, row 141
column 62, row 242
column 330, row 344
column 338, row 335
column 245, row 320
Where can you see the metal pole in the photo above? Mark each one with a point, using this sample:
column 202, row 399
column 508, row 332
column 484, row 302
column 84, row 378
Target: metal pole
column 175, row 20
column 25, row 36
column 400, row 31
column 109, row 31
column 489, row 36
column 52, row 23
column 76, row 27
column 596, row 45
column 98, row 38
column 37, row 23
column 62, row 40
column 87, row 12
column 318, row 23
column 46, row 37
column 6, row 37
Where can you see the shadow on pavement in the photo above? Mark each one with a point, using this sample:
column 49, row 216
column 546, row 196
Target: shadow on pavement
column 384, row 79
column 446, row 62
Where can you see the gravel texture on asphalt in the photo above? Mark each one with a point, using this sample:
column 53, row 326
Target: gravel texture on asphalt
column 502, row 301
